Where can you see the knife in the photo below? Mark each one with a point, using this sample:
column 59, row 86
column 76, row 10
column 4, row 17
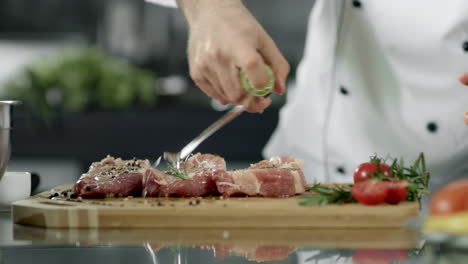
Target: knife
column 175, row 158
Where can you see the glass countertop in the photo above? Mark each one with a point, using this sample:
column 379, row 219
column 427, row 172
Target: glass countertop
column 25, row 244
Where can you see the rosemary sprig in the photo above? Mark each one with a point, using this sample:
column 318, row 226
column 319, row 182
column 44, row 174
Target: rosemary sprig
column 417, row 177
column 274, row 167
column 173, row 171
column 328, row 194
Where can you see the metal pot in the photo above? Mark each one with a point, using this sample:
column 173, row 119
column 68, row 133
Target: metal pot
column 5, row 127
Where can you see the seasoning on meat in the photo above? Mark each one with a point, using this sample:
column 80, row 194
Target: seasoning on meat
column 206, row 175
column 200, row 168
column 112, row 177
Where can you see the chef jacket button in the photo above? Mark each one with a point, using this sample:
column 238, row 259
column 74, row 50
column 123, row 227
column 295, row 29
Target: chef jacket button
column 340, row 170
column 465, row 46
column 432, row 127
column 357, row 3
column 343, row 90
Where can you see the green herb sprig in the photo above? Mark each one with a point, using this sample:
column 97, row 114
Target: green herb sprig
column 416, row 175
column 328, row 194
column 173, row 171
column 274, row 167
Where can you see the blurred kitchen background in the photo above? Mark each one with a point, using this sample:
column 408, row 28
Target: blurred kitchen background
column 111, row 77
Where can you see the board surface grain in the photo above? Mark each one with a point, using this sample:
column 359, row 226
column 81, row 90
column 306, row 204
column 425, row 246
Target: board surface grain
column 210, row 212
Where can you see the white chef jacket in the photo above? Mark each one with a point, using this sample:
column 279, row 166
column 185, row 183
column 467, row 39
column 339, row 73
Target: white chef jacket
column 379, row 77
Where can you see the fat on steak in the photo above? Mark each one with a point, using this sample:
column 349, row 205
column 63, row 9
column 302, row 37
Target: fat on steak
column 114, row 177
column 200, row 168
column 277, row 177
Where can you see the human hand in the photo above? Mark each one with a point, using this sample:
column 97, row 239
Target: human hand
column 464, row 79
column 224, row 40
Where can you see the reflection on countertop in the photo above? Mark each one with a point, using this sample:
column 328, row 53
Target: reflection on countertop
column 23, row 244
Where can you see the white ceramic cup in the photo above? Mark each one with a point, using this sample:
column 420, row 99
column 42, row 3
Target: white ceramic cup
column 14, row 186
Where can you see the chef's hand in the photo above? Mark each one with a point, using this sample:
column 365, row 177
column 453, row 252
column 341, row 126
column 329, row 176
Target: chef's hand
column 464, row 80
column 225, row 39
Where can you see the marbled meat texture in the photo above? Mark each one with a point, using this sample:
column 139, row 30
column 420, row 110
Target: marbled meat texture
column 200, row 168
column 112, row 177
column 277, row 177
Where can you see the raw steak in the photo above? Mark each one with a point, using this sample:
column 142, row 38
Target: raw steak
column 253, row 253
column 112, row 177
column 277, row 177
column 200, row 168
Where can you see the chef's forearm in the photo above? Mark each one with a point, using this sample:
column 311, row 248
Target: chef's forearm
column 192, row 9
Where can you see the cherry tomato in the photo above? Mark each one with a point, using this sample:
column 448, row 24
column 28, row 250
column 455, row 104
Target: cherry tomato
column 366, row 170
column 397, row 191
column 452, row 198
column 370, row 192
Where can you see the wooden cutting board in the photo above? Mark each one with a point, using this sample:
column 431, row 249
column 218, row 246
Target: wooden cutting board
column 240, row 212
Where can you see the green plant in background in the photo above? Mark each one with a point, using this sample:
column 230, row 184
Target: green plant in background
column 79, row 80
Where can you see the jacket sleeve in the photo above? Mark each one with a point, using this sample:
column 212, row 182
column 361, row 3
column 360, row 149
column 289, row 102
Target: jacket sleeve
column 169, row 3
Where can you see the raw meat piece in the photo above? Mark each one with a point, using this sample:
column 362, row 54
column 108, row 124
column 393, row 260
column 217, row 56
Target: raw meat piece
column 253, row 253
column 284, row 162
column 200, row 168
column 112, row 177
column 277, row 177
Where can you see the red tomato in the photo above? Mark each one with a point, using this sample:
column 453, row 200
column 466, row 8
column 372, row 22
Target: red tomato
column 379, row 256
column 397, row 191
column 370, row 192
column 366, row 170
column 452, row 198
